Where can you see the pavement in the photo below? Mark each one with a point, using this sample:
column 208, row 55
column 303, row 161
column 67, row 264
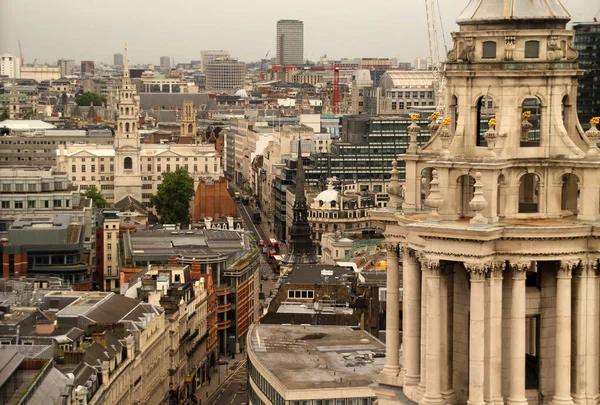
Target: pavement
column 226, row 384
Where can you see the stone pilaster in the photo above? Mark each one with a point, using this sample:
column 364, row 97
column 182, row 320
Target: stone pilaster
column 446, row 328
column 477, row 272
column 391, row 370
column 411, row 317
column 562, row 380
column 432, row 394
column 493, row 336
column 517, row 334
column 585, row 334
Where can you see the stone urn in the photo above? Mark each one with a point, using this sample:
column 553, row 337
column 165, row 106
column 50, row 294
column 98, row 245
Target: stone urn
column 413, row 129
column 490, row 137
column 593, row 134
column 478, row 203
column 446, row 138
column 525, row 128
column 434, row 199
column 433, row 127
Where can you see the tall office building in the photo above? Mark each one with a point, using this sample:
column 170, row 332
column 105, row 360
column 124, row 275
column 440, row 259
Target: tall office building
column 87, row 66
column 118, row 59
column 225, row 74
column 165, row 62
column 290, row 42
column 207, row 57
column 67, row 66
column 10, row 66
column 587, row 43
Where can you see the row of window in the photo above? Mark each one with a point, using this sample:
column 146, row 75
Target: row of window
column 73, row 160
column 301, row 294
column 20, row 204
column 401, row 106
column 20, row 187
column 408, row 94
column 532, row 50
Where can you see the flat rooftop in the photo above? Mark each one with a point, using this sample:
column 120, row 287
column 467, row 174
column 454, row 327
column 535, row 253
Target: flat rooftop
column 317, row 357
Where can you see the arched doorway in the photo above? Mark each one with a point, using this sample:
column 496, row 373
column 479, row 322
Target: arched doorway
column 486, row 110
column 569, row 197
column 531, row 110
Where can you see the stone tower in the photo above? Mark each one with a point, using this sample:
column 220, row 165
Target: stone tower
column 301, row 248
column 188, row 120
column 495, row 242
column 14, row 109
column 128, row 178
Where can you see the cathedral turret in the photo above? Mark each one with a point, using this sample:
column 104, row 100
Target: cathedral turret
column 301, row 248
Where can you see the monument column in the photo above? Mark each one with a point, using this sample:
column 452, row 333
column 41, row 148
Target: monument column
column 562, row 373
column 432, row 395
column 411, row 317
column 477, row 272
column 392, row 320
column 517, row 334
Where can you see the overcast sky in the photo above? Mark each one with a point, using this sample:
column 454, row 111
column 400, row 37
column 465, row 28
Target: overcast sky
column 96, row 29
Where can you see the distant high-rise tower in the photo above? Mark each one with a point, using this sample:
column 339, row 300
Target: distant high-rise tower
column 290, row 42
column 207, row 57
column 67, row 66
column 118, row 59
column 587, row 43
column 87, row 66
column 165, row 62
column 10, row 66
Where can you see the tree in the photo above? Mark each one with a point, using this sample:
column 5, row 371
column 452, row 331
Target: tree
column 4, row 116
column 88, row 97
column 93, row 194
column 172, row 199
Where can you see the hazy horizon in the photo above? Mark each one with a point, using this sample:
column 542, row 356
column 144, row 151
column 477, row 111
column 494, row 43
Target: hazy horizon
column 95, row 30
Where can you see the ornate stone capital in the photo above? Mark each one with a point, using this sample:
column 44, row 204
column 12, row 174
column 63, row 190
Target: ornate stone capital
column 408, row 253
column 430, row 266
column 497, row 268
column 390, row 247
column 519, row 268
column 565, row 270
column 477, row 270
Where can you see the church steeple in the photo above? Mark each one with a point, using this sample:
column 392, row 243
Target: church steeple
column 302, row 250
column 13, row 105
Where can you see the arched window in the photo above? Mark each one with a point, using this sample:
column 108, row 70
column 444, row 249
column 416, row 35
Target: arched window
column 466, row 191
column 532, row 49
column 531, row 121
column 426, row 177
column 190, row 128
column 529, row 193
column 486, row 110
column 127, row 127
column 569, row 201
column 332, row 204
column 489, row 50
column 454, row 112
column 126, row 110
column 128, row 163
column 120, row 127
column 502, row 191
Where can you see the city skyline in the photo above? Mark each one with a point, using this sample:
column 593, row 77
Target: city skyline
column 356, row 34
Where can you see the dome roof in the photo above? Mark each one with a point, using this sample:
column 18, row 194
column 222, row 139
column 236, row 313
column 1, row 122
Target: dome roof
column 241, row 93
column 509, row 10
column 331, row 194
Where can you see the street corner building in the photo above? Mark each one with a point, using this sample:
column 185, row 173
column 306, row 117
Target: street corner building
column 493, row 240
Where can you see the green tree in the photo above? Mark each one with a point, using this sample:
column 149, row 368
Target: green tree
column 88, row 97
column 93, row 194
column 172, row 199
column 4, row 116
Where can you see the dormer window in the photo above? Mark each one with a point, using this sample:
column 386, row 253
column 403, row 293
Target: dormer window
column 489, row 50
column 532, row 49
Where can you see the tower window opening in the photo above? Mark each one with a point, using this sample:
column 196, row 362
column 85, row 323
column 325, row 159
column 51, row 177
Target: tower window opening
column 529, row 193
column 190, row 128
column 127, row 127
column 489, row 50
column 531, row 121
column 532, row 49
column 465, row 193
column 569, row 202
column 128, row 163
column 486, row 110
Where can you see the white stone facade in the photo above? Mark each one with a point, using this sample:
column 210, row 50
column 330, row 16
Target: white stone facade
column 496, row 232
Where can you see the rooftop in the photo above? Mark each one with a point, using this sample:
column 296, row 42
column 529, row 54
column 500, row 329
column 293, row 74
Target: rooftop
column 317, row 358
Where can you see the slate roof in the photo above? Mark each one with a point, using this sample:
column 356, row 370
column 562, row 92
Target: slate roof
column 112, row 309
column 48, row 392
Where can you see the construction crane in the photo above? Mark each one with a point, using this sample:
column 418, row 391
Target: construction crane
column 439, row 80
column 21, row 53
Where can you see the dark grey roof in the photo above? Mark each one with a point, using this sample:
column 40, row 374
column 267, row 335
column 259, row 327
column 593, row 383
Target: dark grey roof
column 9, row 362
column 311, row 273
column 48, row 392
column 113, row 309
column 149, row 100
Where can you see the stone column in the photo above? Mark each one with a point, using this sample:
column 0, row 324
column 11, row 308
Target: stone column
column 423, row 337
column 432, row 395
column 517, row 334
column 585, row 335
column 446, row 345
column 562, row 375
column 411, row 317
column 493, row 336
column 392, row 319
column 477, row 272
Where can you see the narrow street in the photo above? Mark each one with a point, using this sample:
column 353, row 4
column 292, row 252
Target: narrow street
column 233, row 389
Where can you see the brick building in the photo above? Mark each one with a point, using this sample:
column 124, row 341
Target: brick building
column 213, row 200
